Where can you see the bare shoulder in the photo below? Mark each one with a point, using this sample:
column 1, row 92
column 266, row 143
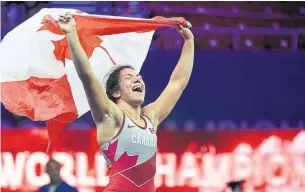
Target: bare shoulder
column 150, row 112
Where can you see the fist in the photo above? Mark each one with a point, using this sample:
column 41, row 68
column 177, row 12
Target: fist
column 67, row 23
column 186, row 33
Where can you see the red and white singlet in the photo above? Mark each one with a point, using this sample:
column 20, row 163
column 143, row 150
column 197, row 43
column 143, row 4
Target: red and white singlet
column 131, row 157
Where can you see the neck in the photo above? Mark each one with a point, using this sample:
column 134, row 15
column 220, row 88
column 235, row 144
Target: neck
column 55, row 181
column 132, row 111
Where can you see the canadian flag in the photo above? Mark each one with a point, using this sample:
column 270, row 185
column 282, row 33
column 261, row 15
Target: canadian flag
column 38, row 78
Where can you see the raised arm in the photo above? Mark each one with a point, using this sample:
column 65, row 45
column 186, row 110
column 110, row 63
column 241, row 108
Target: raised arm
column 97, row 98
column 161, row 108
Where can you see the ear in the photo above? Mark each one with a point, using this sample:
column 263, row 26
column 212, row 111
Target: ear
column 117, row 95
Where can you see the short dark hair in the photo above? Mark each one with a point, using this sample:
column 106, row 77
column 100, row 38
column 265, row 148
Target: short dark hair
column 53, row 161
column 113, row 81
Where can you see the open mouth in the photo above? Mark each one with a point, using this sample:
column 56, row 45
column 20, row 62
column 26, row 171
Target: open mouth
column 138, row 89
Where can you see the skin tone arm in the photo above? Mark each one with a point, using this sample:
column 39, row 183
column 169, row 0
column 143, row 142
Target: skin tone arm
column 101, row 106
column 180, row 77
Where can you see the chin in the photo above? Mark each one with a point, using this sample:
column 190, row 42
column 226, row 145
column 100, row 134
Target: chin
column 137, row 101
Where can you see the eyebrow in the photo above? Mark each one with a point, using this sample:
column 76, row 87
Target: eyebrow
column 132, row 75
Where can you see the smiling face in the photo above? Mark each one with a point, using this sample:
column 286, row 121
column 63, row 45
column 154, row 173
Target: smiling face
column 132, row 87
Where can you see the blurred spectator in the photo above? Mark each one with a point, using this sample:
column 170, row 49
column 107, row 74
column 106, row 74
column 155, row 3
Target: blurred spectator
column 56, row 184
column 236, row 186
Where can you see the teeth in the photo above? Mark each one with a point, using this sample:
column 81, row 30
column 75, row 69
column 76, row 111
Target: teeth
column 137, row 87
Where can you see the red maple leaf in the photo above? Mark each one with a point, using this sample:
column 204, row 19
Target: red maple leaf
column 88, row 40
column 139, row 174
column 124, row 162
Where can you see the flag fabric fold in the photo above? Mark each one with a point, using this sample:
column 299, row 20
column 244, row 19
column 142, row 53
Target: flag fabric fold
column 38, row 78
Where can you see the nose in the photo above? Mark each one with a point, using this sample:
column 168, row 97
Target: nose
column 137, row 79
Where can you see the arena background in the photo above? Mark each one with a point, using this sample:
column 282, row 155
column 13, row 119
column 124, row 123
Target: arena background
column 242, row 116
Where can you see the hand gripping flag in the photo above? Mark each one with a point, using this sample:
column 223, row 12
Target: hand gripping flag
column 38, row 78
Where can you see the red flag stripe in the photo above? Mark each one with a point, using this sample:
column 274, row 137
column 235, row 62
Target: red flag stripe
column 39, row 99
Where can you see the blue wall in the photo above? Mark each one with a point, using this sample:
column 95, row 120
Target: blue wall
column 229, row 85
